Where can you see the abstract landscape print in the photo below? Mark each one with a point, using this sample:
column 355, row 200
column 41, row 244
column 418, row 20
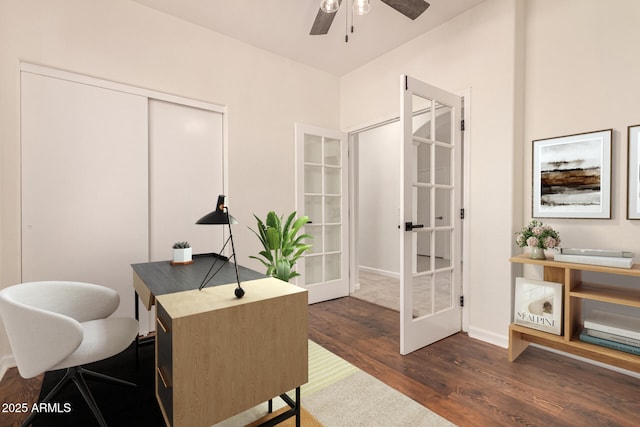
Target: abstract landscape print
column 572, row 176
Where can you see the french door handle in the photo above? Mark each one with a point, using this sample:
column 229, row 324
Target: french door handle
column 408, row 226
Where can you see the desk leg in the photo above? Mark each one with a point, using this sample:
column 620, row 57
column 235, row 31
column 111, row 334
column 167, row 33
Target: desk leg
column 293, row 411
column 137, row 314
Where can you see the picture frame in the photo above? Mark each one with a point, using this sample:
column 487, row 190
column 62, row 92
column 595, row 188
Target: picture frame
column 633, row 172
column 538, row 305
column 572, row 176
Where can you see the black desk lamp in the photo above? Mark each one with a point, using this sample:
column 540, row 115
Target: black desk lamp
column 221, row 216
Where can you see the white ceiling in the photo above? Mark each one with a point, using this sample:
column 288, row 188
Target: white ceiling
column 282, row 27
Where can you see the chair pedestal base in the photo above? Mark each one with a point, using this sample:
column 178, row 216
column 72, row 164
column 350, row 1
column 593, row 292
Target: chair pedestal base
column 76, row 374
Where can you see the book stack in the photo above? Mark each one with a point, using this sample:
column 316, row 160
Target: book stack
column 612, row 330
column 606, row 258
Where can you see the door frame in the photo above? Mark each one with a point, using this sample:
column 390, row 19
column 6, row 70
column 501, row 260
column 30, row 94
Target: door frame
column 353, row 147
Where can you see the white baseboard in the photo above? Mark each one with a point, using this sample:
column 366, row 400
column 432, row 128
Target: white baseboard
column 385, row 273
column 6, row 362
column 489, row 337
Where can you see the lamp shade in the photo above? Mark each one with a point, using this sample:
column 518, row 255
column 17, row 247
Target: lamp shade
column 219, row 216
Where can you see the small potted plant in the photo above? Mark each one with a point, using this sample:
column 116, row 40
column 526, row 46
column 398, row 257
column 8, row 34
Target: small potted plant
column 538, row 237
column 181, row 253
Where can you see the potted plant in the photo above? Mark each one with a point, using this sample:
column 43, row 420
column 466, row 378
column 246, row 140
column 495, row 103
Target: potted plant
column 538, row 237
column 282, row 246
column 181, row 253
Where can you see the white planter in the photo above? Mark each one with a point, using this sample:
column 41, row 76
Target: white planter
column 182, row 256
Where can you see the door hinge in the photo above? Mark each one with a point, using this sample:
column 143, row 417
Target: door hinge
column 461, row 300
column 462, row 213
column 462, row 125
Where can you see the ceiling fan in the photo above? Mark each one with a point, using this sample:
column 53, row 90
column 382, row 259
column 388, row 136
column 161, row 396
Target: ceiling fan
column 409, row 8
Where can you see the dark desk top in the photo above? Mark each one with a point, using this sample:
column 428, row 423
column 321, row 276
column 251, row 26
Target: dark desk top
column 163, row 278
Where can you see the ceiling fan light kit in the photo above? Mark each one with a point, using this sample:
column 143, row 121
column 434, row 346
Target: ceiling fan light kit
column 329, row 6
column 361, row 7
column 412, row 9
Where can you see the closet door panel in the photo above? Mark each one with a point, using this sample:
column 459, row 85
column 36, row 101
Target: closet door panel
column 186, row 176
column 84, row 184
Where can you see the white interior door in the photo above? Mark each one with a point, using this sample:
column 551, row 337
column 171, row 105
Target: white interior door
column 84, row 184
column 430, row 200
column 186, row 170
column 322, row 195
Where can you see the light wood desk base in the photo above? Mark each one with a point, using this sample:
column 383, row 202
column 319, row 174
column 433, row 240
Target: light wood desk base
column 217, row 355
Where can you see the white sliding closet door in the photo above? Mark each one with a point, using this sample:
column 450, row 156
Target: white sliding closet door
column 186, row 176
column 84, row 184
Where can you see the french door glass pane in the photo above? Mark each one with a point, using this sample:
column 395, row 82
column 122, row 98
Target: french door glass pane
column 423, row 160
column 313, row 269
column 443, row 123
column 443, row 291
column 333, row 238
column 332, row 267
column 422, row 291
column 422, row 206
column 332, row 209
column 444, row 157
column 313, row 208
column 312, row 149
column 332, row 180
column 312, row 179
column 316, row 242
column 332, row 151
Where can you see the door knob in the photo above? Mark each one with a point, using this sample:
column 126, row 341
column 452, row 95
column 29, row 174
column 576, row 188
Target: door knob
column 408, row 226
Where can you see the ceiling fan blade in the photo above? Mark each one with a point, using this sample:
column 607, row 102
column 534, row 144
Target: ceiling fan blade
column 409, row 8
column 322, row 22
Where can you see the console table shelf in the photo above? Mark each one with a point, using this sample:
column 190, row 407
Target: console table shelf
column 574, row 293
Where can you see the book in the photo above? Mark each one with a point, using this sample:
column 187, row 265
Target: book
column 538, row 305
column 597, row 252
column 610, row 344
column 605, row 261
column 613, row 337
column 613, row 323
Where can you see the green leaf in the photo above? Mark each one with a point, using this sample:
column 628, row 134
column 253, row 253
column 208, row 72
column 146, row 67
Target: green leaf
column 283, row 270
column 273, row 238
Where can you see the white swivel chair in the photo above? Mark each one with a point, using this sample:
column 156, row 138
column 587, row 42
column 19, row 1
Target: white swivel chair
column 63, row 325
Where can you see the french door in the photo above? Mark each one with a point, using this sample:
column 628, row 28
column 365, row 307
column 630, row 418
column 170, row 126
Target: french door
column 430, row 200
column 321, row 194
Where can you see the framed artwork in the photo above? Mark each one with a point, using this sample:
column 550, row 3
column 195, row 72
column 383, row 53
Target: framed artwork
column 538, row 305
column 633, row 172
column 572, row 176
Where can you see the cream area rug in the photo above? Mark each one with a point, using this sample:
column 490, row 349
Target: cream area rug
column 340, row 395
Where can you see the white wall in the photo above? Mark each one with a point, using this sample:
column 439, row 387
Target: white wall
column 582, row 75
column 126, row 42
column 379, row 200
column 475, row 50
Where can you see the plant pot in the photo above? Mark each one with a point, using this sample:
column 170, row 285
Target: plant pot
column 537, row 253
column 182, row 256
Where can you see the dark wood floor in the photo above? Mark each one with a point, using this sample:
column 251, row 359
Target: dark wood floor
column 471, row 383
column 467, row 381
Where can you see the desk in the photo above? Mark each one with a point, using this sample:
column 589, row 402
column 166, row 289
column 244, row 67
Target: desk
column 217, row 355
column 151, row 279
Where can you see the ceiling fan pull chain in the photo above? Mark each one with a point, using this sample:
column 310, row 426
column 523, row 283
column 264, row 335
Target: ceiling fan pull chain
column 346, row 23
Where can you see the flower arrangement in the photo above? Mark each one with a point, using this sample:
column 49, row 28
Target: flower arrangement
column 538, row 235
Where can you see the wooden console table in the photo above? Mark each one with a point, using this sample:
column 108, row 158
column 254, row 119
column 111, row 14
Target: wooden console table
column 575, row 292
column 217, row 355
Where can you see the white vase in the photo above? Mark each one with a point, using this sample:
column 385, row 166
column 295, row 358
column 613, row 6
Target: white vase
column 182, row 255
column 537, row 253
